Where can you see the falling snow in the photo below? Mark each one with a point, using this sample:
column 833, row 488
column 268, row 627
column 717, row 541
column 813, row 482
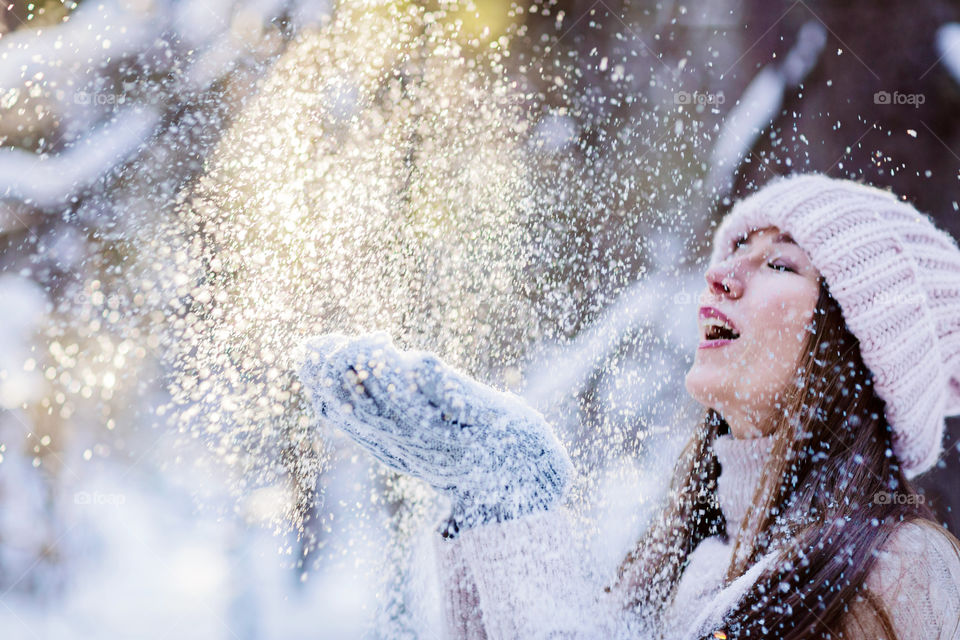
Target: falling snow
column 189, row 189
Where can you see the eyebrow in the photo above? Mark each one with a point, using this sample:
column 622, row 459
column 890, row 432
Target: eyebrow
column 782, row 237
column 785, row 237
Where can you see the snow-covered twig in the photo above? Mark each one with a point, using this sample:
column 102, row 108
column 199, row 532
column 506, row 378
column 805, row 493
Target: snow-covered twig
column 948, row 46
column 759, row 106
column 51, row 181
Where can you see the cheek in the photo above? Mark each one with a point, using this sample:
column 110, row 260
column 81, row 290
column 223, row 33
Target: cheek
column 782, row 323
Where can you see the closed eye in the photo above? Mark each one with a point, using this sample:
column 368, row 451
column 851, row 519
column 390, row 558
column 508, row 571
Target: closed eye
column 780, row 267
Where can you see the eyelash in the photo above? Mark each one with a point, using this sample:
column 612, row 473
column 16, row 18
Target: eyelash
column 779, row 267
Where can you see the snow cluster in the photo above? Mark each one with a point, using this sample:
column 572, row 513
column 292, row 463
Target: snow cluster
column 189, row 188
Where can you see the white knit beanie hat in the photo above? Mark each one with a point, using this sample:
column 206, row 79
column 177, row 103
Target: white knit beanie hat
column 897, row 280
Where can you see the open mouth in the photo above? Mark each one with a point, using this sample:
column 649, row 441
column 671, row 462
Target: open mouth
column 716, row 328
column 717, row 331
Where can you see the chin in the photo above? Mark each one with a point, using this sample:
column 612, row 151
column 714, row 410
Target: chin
column 704, row 386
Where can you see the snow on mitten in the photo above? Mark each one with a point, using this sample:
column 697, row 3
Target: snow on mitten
column 490, row 452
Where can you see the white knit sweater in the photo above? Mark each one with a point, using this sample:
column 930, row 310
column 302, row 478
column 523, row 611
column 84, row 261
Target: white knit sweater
column 528, row 578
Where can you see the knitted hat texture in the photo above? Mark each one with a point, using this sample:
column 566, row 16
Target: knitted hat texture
column 896, row 277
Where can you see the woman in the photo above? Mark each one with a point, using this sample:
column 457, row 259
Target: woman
column 830, row 356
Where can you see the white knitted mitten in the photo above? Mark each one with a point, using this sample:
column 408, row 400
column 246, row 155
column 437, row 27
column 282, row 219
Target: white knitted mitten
column 490, row 452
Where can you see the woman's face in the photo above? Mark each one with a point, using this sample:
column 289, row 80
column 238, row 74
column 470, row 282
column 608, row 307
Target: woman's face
column 767, row 289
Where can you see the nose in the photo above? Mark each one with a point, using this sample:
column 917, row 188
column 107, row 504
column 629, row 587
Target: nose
column 724, row 279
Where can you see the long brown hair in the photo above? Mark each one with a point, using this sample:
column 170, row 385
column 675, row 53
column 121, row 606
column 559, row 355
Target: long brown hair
column 820, row 500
